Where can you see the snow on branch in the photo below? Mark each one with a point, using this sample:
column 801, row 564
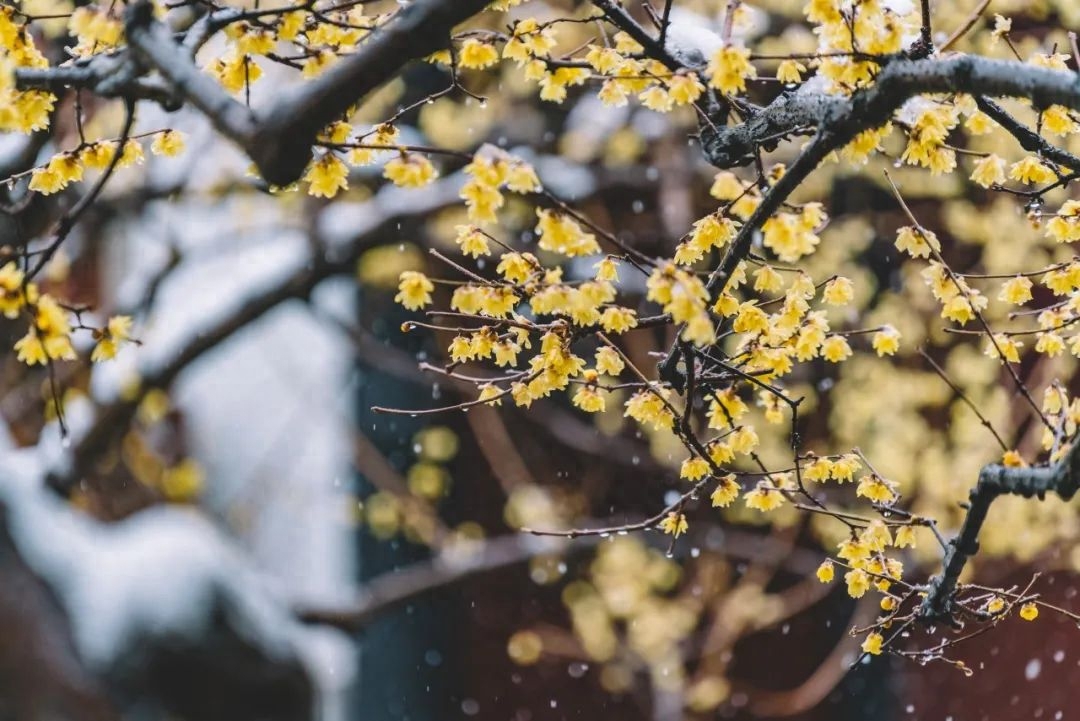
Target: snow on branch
column 159, row 602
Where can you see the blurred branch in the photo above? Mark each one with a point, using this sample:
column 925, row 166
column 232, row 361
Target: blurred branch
column 451, row 566
column 112, row 420
column 106, row 75
column 767, row 703
column 43, row 676
column 456, row 565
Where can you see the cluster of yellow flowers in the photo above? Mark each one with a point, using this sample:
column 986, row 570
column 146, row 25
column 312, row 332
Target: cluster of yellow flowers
column 69, row 167
column 49, row 336
column 871, row 28
column 21, row 111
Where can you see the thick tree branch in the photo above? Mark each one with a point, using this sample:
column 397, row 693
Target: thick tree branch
column 281, row 147
column 110, row 76
column 838, row 119
column 995, row 480
column 152, row 43
column 899, row 80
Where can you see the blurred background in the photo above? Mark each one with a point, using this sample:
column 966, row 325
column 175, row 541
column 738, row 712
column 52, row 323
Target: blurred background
column 267, row 443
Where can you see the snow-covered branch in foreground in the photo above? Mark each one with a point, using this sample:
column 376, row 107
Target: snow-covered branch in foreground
column 162, row 609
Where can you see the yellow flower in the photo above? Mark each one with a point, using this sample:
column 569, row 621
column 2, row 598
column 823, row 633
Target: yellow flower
column 744, row 440
column 589, row 399
column 609, row 361
column 916, row 242
column 1029, row 612
column 558, row 233
column 490, row 394
column 729, row 68
column 674, row 524
column 726, row 186
column 168, row 143
column 694, row 468
column 616, row 319
column 1012, row 459
column 1009, row 347
column 12, row 297
column 1064, row 227
column 725, row 492
column 995, row 605
column 767, row 280
column 414, row 290
column 327, row 176
column 750, row 319
column 460, row 349
column 858, row 582
column 116, row 332
column 477, row 54
column 835, row 349
column 961, row 308
column 826, row 572
column 872, row 644
column 647, row 407
column 46, row 181
column 61, row 170
column 522, row 178
column 517, row 267
column 764, row 498
column 1016, row 290
column 905, row 537
column 497, row 302
column 886, row 341
column 1031, row 171
column 1051, row 344
column 819, row 470
column 506, row 353
column 838, row 291
column 790, row 71
column 684, row 89
column 875, row 489
column 989, row 171
column 49, row 338
column 409, row 170
column 235, row 71
column 472, row 241
column 656, row 98
column 607, row 270
column 97, row 156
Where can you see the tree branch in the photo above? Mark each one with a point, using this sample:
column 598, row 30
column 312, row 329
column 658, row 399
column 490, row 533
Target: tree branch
column 109, row 76
column 390, row 210
column 995, row 480
column 152, row 44
column 281, row 147
column 899, row 80
column 1029, row 140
